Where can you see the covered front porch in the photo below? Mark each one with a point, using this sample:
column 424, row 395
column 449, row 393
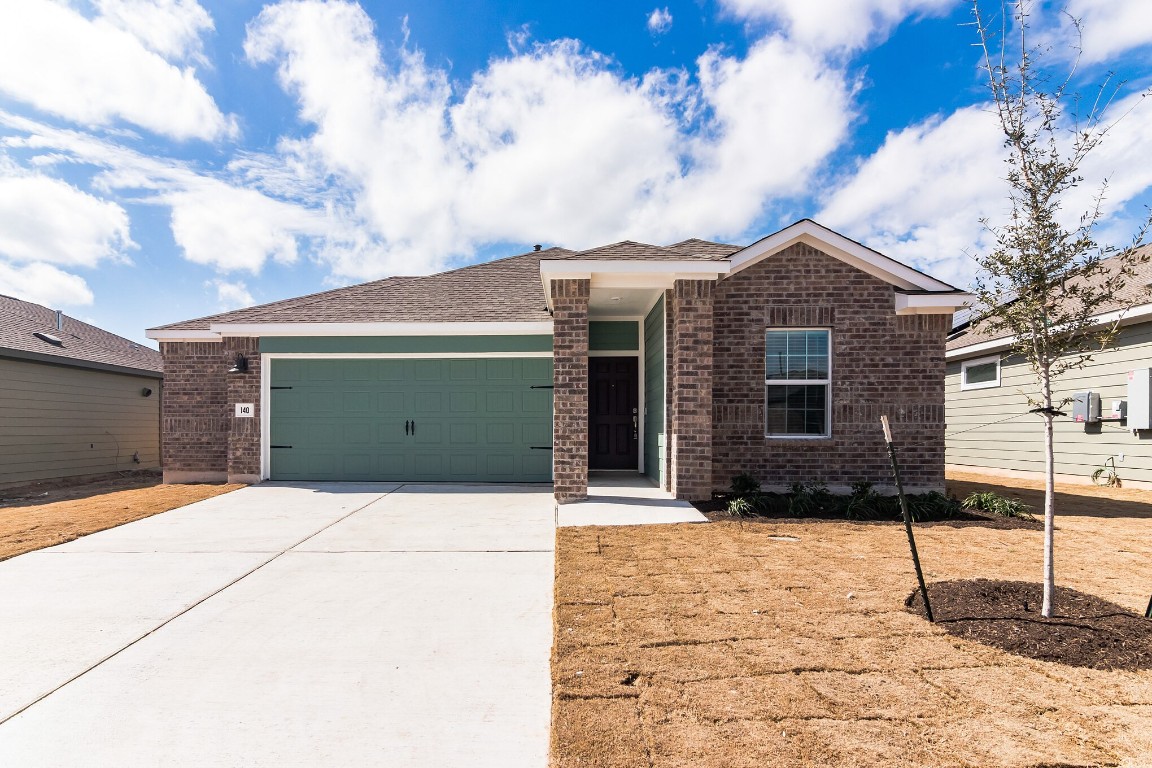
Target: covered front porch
column 632, row 357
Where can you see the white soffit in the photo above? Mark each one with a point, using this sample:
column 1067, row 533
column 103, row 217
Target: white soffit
column 836, row 245
column 931, row 303
column 628, row 273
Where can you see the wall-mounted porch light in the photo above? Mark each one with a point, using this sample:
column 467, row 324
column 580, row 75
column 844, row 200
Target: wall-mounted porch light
column 240, row 365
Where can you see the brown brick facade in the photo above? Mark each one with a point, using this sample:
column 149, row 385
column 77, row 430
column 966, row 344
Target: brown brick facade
column 194, row 433
column 244, row 433
column 570, row 396
column 881, row 364
column 202, row 440
column 690, row 435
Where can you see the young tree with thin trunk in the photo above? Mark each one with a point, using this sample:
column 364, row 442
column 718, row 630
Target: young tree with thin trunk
column 1047, row 279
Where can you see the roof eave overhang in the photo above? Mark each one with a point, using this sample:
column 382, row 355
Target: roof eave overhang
column 840, row 247
column 1137, row 314
column 72, row 362
column 942, row 303
column 382, row 329
column 629, row 273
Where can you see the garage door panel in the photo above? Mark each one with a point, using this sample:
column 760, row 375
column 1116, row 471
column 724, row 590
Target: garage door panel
column 474, row 419
column 390, row 402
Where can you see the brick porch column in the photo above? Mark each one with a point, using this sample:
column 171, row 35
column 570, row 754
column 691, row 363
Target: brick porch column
column 690, row 443
column 243, row 433
column 570, row 395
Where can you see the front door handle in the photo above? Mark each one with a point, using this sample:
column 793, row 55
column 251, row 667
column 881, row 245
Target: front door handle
column 635, row 426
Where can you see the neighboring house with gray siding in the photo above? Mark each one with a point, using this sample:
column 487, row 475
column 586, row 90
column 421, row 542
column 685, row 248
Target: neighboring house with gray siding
column 74, row 400
column 986, row 383
column 689, row 363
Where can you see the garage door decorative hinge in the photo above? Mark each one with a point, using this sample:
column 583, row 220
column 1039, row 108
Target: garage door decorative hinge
column 279, row 446
column 540, row 447
column 280, row 387
column 542, row 386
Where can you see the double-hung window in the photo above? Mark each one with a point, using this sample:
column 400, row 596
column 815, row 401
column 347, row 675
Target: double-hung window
column 797, row 382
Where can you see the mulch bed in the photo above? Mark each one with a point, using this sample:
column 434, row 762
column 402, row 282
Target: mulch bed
column 1085, row 631
column 716, row 512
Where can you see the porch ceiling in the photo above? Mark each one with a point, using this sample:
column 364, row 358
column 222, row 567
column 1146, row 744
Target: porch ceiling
column 621, row 302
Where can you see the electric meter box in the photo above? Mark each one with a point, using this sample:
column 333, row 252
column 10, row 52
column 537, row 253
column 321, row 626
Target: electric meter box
column 1086, row 407
column 1140, row 398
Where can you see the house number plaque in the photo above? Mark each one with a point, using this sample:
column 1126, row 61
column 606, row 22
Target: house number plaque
column 245, row 410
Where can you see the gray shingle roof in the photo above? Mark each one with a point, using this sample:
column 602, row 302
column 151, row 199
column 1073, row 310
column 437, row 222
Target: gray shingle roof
column 696, row 248
column 80, row 343
column 504, row 290
column 1135, row 291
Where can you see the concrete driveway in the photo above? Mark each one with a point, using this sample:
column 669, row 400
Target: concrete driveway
column 288, row 625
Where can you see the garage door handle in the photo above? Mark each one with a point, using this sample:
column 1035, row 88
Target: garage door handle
column 413, row 426
column 406, row 423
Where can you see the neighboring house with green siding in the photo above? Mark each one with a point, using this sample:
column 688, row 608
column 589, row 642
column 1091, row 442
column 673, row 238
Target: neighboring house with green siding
column 988, row 425
column 74, row 400
column 688, row 363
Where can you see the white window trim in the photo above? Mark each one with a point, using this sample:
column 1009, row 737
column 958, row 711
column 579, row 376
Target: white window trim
column 965, row 365
column 801, row 382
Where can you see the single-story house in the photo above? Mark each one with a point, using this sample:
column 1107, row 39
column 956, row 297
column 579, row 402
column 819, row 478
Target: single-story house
column 688, row 363
column 989, row 427
column 74, row 400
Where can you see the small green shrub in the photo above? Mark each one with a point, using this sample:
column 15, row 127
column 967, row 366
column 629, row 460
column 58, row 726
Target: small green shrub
column 741, row 506
column 995, row 504
column 806, row 499
column 932, row 506
column 744, row 485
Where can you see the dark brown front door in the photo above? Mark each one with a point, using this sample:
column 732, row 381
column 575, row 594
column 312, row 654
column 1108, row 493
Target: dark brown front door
column 613, row 384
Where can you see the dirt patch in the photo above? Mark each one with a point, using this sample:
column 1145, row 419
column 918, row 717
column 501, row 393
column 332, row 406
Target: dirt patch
column 787, row 643
column 1084, row 630
column 46, row 514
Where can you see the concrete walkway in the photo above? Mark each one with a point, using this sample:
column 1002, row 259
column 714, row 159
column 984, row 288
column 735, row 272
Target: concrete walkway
column 625, row 498
column 328, row 625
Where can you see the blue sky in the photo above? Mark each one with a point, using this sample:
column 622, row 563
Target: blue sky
column 166, row 159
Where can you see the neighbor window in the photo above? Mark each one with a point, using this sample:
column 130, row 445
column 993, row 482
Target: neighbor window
column 981, row 373
column 797, row 382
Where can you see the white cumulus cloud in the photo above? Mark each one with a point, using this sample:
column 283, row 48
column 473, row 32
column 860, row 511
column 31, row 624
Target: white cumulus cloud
column 835, row 24
column 231, row 295
column 549, row 142
column 659, row 21
column 93, row 72
column 171, row 28
column 47, row 220
column 44, row 284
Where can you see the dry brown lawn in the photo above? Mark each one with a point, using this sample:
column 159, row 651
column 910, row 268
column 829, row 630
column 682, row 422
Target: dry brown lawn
column 734, row 645
column 68, row 512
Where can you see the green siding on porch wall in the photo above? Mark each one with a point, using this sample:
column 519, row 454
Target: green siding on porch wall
column 654, row 394
column 404, row 344
column 613, row 336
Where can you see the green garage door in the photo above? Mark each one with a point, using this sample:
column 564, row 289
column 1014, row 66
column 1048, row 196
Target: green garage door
column 436, row 420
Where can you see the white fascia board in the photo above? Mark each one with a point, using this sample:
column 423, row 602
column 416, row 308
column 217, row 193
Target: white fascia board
column 696, row 268
column 836, row 245
column 383, row 329
column 931, row 303
column 178, row 335
column 1134, row 315
column 628, row 273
